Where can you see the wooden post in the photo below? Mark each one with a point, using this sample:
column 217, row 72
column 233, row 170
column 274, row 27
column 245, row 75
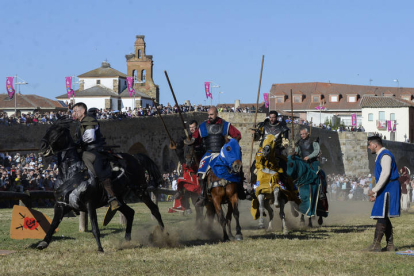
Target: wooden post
column 83, row 222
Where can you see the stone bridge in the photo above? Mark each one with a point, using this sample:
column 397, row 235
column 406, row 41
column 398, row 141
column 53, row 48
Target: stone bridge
column 345, row 153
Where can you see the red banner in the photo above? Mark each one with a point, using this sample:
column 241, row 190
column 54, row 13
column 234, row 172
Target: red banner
column 354, row 120
column 207, row 87
column 9, row 87
column 69, row 89
column 130, row 84
column 266, row 99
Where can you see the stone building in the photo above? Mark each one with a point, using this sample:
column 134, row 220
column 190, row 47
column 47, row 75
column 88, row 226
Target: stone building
column 341, row 100
column 106, row 87
column 29, row 104
column 378, row 112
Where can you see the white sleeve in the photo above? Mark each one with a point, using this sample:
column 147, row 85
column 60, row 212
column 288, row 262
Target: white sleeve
column 89, row 136
column 385, row 173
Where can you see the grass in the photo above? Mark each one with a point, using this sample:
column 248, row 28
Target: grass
column 333, row 249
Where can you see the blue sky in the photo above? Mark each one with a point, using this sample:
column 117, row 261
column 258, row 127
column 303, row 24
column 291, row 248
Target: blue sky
column 221, row 41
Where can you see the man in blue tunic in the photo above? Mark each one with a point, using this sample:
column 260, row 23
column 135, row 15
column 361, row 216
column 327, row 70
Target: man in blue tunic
column 386, row 194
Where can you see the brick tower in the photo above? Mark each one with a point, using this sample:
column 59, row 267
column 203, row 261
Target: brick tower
column 139, row 65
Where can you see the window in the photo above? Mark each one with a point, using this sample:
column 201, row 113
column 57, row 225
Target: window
column 297, row 99
column 333, row 98
column 382, row 115
column 279, row 99
column 98, row 81
column 406, row 97
column 392, row 116
column 143, row 75
column 370, row 117
column 351, row 99
column 139, row 54
column 315, row 99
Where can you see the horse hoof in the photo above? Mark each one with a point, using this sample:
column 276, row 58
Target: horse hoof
column 100, row 250
column 42, row 245
column 239, row 237
column 320, row 220
column 285, row 231
column 261, row 226
column 128, row 236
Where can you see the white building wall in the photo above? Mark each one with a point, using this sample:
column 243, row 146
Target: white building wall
column 401, row 116
column 98, row 102
column 90, row 82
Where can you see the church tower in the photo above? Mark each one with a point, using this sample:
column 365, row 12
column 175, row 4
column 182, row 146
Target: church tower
column 140, row 66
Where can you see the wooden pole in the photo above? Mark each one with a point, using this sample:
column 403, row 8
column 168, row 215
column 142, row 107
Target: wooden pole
column 293, row 128
column 162, row 120
column 178, row 107
column 255, row 118
column 310, row 129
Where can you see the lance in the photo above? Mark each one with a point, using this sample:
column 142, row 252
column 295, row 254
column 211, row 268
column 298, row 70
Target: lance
column 293, row 129
column 163, row 123
column 178, row 107
column 255, row 117
column 310, row 129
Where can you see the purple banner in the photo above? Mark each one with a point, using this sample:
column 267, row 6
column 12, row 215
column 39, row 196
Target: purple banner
column 69, row 89
column 389, row 125
column 266, row 99
column 320, row 107
column 394, row 128
column 207, row 88
column 9, row 87
column 130, row 85
column 354, row 120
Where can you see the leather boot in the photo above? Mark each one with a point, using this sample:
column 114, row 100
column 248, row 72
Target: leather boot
column 112, row 200
column 379, row 233
column 389, row 236
column 202, row 199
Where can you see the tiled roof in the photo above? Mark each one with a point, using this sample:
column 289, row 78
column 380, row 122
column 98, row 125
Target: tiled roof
column 125, row 93
column 326, row 89
column 105, row 71
column 28, row 102
column 379, row 101
column 97, row 90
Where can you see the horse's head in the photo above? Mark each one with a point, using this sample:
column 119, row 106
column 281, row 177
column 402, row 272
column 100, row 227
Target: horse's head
column 231, row 154
column 292, row 165
column 189, row 155
column 269, row 145
column 57, row 137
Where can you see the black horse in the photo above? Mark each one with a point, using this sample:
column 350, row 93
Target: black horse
column 76, row 188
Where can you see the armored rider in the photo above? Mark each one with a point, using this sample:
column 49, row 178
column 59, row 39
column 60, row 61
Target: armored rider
column 90, row 139
column 212, row 132
column 308, row 149
column 270, row 126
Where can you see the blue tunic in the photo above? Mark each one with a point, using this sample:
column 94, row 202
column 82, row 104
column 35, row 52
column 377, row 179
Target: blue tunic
column 390, row 193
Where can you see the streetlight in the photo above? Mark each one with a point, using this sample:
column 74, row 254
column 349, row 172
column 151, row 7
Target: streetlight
column 211, row 91
column 219, row 97
column 398, row 83
column 15, row 94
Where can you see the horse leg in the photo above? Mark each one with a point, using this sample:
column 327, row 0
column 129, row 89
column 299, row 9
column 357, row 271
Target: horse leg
column 302, row 220
column 235, row 205
column 199, row 210
column 276, row 195
column 59, row 211
column 155, row 211
column 320, row 220
column 271, row 214
column 228, row 219
column 282, row 204
column 261, row 200
column 310, row 223
column 222, row 220
column 94, row 223
column 129, row 213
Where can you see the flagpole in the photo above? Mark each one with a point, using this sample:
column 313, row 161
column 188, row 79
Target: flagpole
column 15, row 96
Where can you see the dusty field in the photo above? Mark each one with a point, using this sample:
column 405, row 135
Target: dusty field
column 332, row 249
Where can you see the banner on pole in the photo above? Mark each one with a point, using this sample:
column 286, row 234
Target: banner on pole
column 9, row 87
column 130, row 84
column 69, row 89
column 266, row 99
column 354, row 120
column 207, row 88
column 394, row 128
column 389, row 125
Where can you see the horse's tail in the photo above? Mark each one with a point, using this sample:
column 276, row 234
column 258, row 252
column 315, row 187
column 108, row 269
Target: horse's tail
column 150, row 166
